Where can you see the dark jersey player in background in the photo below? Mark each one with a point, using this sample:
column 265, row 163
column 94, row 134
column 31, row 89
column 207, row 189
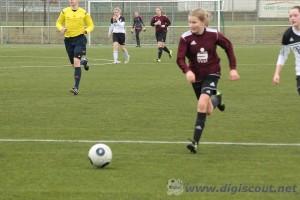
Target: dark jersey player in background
column 75, row 18
column 161, row 23
column 199, row 45
column 290, row 39
column 138, row 25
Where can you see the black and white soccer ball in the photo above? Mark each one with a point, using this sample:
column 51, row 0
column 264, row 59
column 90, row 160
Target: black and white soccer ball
column 100, row 155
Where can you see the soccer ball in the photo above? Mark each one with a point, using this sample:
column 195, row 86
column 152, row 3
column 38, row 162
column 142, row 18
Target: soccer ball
column 100, row 155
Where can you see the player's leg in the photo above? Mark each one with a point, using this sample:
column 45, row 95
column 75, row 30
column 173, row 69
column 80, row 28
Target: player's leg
column 200, row 121
column 124, row 50
column 159, row 46
column 165, row 48
column 203, row 90
column 79, row 52
column 70, row 51
column 210, row 87
column 160, row 50
column 115, row 48
column 137, row 37
column 217, row 101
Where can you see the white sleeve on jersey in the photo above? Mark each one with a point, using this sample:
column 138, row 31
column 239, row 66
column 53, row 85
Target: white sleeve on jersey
column 110, row 30
column 283, row 55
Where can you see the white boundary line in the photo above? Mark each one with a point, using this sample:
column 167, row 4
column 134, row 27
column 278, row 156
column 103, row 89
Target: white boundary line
column 149, row 142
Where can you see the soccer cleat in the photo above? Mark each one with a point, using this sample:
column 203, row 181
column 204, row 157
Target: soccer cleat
column 84, row 62
column 86, row 67
column 74, row 90
column 116, row 62
column 192, row 147
column 170, row 54
column 127, row 59
column 138, row 45
column 158, row 60
column 221, row 105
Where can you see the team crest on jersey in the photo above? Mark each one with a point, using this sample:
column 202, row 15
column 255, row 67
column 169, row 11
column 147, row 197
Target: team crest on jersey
column 291, row 39
column 202, row 56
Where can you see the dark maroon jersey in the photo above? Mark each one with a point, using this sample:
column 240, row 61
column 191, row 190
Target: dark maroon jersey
column 164, row 21
column 201, row 52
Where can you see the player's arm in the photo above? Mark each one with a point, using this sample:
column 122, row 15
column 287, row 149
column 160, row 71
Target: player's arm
column 223, row 42
column 181, row 54
column 143, row 24
column 152, row 22
column 282, row 57
column 111, row 28
column 60, row 21
column 167, row 22
column 90, row 24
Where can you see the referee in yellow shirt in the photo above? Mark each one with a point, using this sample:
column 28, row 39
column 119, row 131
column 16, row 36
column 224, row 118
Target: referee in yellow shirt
column 75, row 18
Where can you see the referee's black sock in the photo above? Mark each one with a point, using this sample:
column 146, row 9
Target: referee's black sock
column 159, row 52
column 199, row 126
column 77, row 76
column 166, row 49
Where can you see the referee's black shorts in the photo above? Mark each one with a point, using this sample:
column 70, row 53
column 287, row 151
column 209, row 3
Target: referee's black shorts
column 75, row 47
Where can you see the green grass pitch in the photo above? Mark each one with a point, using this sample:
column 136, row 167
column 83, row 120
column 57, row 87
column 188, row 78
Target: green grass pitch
column 46, row 132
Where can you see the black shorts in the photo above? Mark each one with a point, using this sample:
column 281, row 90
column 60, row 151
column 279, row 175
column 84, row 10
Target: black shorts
column 119, row 37
column 75, row 47
column 161, row 36
column 207, row 86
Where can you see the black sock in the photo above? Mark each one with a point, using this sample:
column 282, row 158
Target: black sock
column 215, row 101
column 77, row 76
column 199, row 126
column 159, row 52
column 166, row 49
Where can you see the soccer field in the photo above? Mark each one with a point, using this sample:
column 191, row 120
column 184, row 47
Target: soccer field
column 145, row 111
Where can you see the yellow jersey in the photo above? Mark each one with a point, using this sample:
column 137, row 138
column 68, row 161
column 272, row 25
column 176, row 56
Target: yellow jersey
column 75, row 21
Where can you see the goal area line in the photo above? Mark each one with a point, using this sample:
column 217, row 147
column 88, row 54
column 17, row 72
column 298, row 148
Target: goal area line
column 150, row 142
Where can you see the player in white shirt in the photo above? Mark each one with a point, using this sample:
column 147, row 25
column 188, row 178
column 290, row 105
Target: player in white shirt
column 290, row 40
column 117, row 27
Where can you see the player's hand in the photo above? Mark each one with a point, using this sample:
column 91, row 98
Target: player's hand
column 131, row 31
column 276, row 79
column 144, row 29
column 115, row 18
column 190, row 77
column 157, row 23
column 234, row 75
column 63, row 30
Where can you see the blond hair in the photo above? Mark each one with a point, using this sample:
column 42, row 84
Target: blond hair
column 118, row 9
column 202, row 15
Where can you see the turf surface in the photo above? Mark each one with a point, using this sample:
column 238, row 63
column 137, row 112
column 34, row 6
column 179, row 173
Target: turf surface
column 145, row 112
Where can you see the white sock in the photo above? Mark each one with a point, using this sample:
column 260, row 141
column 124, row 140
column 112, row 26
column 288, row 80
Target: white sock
column 115, row 53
